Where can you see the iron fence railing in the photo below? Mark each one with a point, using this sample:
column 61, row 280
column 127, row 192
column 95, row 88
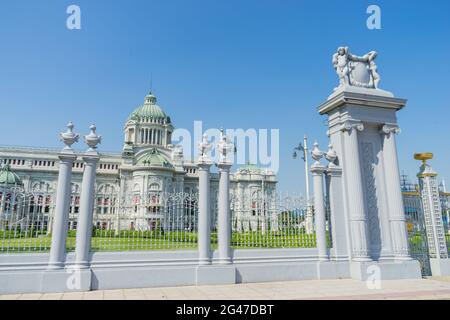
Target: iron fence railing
column 154, row 221
column 25, row 220
column 269, row 221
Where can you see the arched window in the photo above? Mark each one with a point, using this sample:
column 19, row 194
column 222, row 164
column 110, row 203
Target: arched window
column 256, row 205
column 106, row 199
column 154, row 192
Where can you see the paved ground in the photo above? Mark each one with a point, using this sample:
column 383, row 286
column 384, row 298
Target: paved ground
column 432, row 288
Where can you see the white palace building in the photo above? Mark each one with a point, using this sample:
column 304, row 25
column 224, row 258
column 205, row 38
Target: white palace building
column 131, row 183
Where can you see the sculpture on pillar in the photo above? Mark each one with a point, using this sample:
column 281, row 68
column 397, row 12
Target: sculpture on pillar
column 69, row 137
column 331, row 156
column 225, row 147
column 204, row 147
column 355, row 70
column 92, row 139
column 316, row 153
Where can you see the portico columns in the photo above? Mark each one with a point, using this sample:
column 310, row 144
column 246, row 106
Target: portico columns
column 224, row 218
column 393, row 190
column 84, row 225
column 204, row 214
column 357, row 211
column 61, row 217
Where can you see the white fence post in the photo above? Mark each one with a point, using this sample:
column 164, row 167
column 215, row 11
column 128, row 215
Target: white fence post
column 318, row 170
column 224, row 218
column 61, row 218
column 204, row 214
column 84, row 225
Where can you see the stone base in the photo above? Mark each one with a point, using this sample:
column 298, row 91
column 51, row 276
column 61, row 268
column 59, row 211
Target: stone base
column 440, row 267
column 132, row 277
column 13, row 282
column 385, row 270
column 66, row 280
column 215, row 275
column 332, row 270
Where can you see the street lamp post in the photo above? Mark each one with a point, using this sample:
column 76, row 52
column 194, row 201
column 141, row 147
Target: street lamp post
column 304, row 149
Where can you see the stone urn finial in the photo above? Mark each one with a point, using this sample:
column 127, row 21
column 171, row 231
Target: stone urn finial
column 224, row 147
column 69, row 137
column 316, row 153
column 92, row 139
column 204, row 147
column 331, row 154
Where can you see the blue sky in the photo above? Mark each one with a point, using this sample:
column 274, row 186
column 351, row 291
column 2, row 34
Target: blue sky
column 233, row 64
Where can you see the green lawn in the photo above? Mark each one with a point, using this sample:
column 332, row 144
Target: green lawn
column 134, row 241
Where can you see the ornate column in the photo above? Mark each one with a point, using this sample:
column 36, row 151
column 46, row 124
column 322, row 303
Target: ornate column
column 432, row 211
column 87, row 198
column 224, row 217
column 396, row 209
column 204, row 206
column 61, row 217
column 357, row 211
column 318, row 170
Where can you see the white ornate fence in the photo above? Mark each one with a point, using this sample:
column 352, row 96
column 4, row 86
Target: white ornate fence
column 25, row 220
column 145, row 222
column 156, row 221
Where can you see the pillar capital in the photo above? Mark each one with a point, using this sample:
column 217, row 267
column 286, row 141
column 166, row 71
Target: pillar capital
column 224, row 166
column 204, row 165
column 351, row 124
column 67, row 156
column 91, row 158
column 389, row 128
column 334, row 171
column 318, row 169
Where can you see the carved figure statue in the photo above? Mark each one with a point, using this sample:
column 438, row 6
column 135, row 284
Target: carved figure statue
column 354, row 70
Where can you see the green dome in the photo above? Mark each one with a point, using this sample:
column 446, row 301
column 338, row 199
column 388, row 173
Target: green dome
column 149, row 110
column 8, row 177
column 153, row 158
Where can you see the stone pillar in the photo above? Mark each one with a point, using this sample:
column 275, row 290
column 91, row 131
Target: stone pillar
column 87, row 198
column 318, row 170
column 396, row 209
column 370, row 205
column 224, row 218
column 204, row 205
column 357, row 214
column 432, row 209
column 61, row 217
column 2, row 205
column 204, row 214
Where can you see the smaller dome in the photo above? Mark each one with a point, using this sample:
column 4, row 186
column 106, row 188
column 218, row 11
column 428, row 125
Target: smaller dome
column 149, row 110
column 153, row 158
column 7, row 177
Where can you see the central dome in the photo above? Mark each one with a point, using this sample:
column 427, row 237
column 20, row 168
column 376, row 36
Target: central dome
column 150, row 112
